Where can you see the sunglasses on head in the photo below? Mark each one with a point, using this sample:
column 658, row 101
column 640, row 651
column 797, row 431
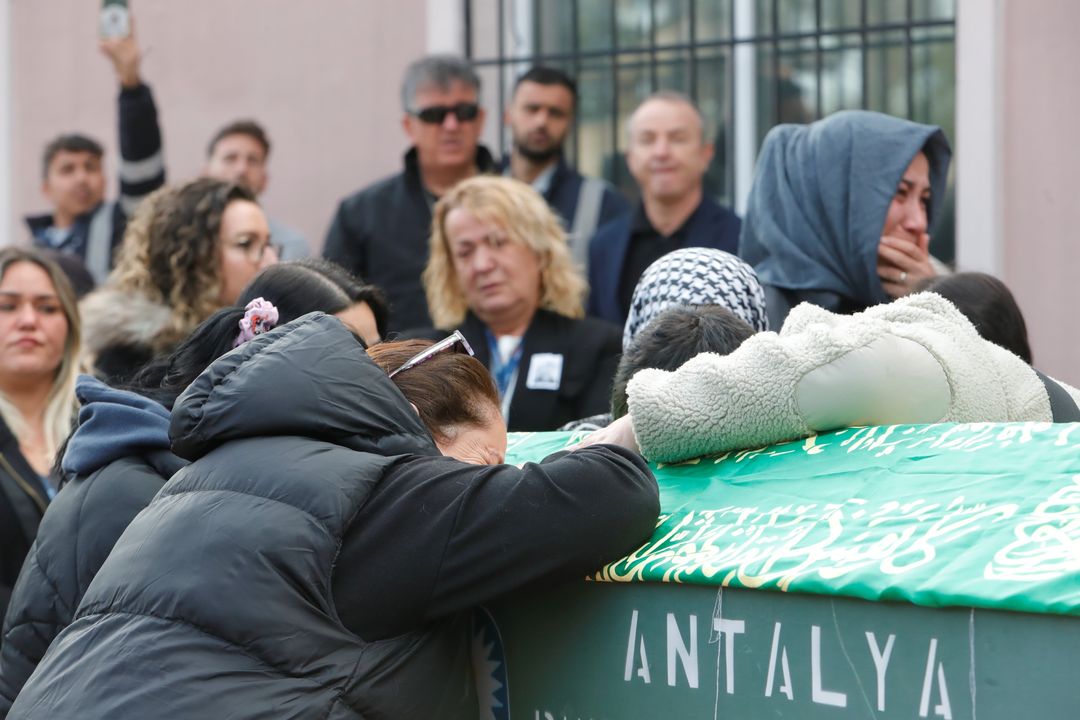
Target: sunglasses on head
column 436, row 114
column 454, row 342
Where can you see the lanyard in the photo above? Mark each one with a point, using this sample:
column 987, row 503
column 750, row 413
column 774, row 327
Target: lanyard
column 504, row 373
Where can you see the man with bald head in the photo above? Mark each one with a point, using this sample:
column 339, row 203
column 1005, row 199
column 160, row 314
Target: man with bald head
column 668, row 155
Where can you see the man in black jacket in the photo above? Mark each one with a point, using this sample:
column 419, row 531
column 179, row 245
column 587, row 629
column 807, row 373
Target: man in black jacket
column 668, row 155
column 81, row 222
column 540, row 116
column 381, row 232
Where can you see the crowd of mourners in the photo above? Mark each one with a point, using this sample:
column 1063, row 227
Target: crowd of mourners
column 240, row 481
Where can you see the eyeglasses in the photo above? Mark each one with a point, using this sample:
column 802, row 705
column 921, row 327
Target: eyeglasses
column 436, row 114
column 255, row 251
column 455, row 342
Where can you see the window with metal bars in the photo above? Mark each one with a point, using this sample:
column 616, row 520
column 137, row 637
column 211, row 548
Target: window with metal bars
column 749, row 64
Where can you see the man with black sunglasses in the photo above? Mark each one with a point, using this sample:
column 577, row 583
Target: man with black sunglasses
column 381, row 232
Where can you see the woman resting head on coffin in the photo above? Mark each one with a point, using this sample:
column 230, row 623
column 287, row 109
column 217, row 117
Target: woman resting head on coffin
column 341, row 516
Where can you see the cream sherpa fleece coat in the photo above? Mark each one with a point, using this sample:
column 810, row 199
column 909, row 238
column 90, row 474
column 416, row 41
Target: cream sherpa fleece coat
column 916, row 360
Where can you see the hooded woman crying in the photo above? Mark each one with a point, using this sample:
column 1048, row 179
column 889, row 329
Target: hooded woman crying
column 840, row 211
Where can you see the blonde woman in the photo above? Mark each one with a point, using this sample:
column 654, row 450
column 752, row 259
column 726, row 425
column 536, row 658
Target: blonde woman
column 188, row 251
column 500, row 272
column 39, row 350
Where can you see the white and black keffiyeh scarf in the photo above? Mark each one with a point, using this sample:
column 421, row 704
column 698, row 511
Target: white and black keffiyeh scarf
column 696, row 276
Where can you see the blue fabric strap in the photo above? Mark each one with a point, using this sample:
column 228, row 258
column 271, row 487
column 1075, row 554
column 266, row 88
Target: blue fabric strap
column 504, row 373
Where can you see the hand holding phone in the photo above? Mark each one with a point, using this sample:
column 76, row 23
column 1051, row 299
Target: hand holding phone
column 115, row 19
column 122, row 48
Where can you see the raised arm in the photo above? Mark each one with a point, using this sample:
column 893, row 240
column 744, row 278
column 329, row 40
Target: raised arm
column 142, row 164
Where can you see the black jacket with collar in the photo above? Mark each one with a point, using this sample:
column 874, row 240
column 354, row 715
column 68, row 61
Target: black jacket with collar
column 590, row 350
column 381, row 234
column 22, row 504
column 316, row 558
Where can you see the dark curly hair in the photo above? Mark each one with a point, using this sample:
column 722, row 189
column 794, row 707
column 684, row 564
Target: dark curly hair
column 170, row 251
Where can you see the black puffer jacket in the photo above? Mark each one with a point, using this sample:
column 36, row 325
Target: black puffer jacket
column 315, row 558
column 116, row 461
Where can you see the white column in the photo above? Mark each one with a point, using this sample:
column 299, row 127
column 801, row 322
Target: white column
column 445, row 27
column 978, row 141
column 8, row 232
column 745, row 99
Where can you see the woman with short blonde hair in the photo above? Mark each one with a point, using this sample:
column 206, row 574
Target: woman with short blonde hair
column 500, row 271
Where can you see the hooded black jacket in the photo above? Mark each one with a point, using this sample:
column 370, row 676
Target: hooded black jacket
column 315, row 559
column 116, row 460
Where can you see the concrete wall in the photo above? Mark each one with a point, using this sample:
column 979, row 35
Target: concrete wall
column 1040, row 181
column 322, row 76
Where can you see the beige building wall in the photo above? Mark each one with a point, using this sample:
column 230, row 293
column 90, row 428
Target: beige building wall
column 1040, row 178
column 322, row 76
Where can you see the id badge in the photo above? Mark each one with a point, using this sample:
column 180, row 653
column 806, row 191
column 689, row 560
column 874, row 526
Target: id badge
column 545, row 371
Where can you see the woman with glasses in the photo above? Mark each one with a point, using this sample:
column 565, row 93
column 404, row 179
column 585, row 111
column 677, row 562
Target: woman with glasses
column 321, row 554
column 39, row 352
column 188, row 251
column 119, row 457
column 501, row 273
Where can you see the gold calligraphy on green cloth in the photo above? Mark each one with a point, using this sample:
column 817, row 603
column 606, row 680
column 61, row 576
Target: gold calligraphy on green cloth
column 977, row 515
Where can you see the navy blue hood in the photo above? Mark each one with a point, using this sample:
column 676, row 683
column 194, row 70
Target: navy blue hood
column 113, row 424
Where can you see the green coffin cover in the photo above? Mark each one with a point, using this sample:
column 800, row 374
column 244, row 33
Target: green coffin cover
column 977, row 515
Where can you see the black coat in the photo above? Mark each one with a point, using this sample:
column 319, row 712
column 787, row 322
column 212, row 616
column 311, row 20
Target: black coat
column 22, row 503
column 711, row 225
column 381, row 234
column 75, row 536
column 565, row 189
column 590, row 349
column 315, row 559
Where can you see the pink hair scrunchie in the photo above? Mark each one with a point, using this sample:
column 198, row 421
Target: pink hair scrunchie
column 260, row 316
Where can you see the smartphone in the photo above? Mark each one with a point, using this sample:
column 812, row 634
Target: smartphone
column 115, row 20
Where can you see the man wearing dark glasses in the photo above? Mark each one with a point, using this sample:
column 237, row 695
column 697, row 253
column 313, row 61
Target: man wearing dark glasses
column 381, row 232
